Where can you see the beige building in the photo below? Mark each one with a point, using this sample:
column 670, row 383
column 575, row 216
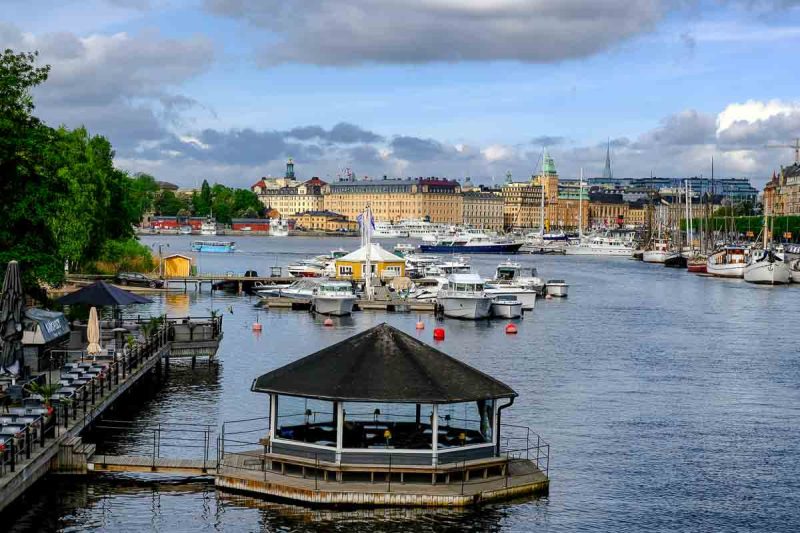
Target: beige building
column 782, row 192
column 324, row 221
column 483, row 210
column 288, row 201
column 521, row 204
column 439, row 200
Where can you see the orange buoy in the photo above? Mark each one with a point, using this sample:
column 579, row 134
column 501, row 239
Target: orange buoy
column 438, row 334
column 256, row 326
column 511, row 329
column 420, row 325
column 328, row 322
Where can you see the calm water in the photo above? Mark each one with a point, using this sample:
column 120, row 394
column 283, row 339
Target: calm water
column 670, row 401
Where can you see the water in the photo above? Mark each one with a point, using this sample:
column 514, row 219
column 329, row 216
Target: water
column 670, row 402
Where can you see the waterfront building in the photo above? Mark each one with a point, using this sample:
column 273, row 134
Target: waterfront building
column 383, row 264
column 521, row 204
column 607, row 210
column 292, row 199
column 392, row 200
column 250, row 224
column 324, row 221
column 731, row 190
column 566, row 211
column 483, row 210
column 782, row 192
column 266, row 183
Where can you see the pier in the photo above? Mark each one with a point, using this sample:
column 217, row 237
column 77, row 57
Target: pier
column 54, row 443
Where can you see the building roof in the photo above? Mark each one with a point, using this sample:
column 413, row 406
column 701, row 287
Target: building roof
column 320, row 213
column 606, row 198
column 791, row 170
column 376, row 253
column 382, row 364
column 316, row 182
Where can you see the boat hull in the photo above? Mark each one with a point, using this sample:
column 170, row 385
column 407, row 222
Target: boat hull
column 725, row 270
column 594, row 250
column 527, row 298
column 697, row 268
column 336, row 306
column 675, row 260
column 507, row 309
column 556, row 290
column 766, row 273
column 504, row 248
column 654, row 256
column 213, row 249
column 471, row 308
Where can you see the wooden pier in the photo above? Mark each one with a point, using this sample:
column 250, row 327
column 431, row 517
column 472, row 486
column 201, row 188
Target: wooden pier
column 57, row 446
column 394, row 305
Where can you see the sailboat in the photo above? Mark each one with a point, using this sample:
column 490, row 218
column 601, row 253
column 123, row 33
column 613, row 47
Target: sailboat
column 765, row 266
column 658, row 250
column 677, row 258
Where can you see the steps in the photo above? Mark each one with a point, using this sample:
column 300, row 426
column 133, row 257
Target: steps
column 73, row 454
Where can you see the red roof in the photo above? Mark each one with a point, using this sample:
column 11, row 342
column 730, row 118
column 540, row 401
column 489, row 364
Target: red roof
column 259, row 183
column 315, row 181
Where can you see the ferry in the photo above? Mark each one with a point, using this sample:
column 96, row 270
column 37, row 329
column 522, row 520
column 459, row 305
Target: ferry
column 278, row 227
column 209, row 226
column 386, row 230
column 213, row 246
column 418, row 229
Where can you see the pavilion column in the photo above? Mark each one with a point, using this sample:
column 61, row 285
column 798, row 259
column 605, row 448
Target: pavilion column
column 435, row 437
column 339, row 431
column 273, row 416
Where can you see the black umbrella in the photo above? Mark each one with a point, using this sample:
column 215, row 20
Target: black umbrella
column 101, row 294
column 11, row 314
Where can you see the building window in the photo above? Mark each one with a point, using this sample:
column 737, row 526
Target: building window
column 345, row 270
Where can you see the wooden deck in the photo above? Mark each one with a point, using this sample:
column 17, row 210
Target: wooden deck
column 143, row 464
column 249, row 473
column 361, row 305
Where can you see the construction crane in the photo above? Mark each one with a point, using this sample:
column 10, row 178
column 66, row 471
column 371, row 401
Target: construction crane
column 795, row 147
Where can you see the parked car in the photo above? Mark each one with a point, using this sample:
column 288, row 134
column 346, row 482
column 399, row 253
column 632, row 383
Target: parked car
column 138, row 280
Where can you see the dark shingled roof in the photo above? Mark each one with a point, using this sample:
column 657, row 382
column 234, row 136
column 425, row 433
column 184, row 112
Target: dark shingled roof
column 382, row 364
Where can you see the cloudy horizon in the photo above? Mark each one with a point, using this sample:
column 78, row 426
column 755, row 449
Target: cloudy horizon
column 226, row 90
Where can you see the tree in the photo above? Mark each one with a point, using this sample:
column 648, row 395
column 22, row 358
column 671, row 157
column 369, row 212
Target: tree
column 168, row 204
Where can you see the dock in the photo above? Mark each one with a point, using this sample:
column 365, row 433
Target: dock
column 393, row 305
column 56, row 445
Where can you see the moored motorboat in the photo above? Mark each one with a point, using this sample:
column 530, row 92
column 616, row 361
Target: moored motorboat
column 464, row 297
column 506, row 307
column 657, row 252
column 471, row 244
column 334, row 298
column 675, row 260
column 728, row 262
column 697, row 264
column 525, row 296
column 278, row 227
column 556, row 288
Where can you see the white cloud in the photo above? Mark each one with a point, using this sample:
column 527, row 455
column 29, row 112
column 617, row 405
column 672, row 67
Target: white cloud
column 754, row 111
column 498, row 152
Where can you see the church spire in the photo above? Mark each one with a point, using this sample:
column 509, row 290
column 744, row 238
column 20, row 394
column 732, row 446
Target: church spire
column 607, row 174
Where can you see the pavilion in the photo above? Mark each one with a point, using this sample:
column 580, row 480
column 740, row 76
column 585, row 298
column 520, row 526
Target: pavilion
column 384, row 405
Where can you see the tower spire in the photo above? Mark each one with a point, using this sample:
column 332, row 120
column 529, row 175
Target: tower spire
column 607, row 174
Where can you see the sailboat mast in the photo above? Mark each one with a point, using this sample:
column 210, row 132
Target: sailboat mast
column 580, row 209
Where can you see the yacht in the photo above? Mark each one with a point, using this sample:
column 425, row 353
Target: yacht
column 417, row 229
column 386, row 230
column 302, row 289
column 334, row 298
column 403, row 249
column 209, row 226
column 509, row 273
column 457, row 264
column 556, row 288
column 506, row 307
column 728, row 262
column 464, row 297
column 307, row 268
column 420, row 266
column 603, row 245
column 426, row 289
column 767, row 267
column 658, row 252
column 472, row 244
column 278, row 227
column 525, row 296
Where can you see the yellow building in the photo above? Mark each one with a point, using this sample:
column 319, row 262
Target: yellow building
column 384, row 264
column 324, row 221
column 782, row 192
column 392, row 200
column 521, row 204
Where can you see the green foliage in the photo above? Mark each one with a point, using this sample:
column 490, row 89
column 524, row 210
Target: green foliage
column 167, row 203
column 127, row 255
column 45, row 391
column 743, row 224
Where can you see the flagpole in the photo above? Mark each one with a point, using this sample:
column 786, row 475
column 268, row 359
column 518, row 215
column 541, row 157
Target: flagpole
column 367, row 227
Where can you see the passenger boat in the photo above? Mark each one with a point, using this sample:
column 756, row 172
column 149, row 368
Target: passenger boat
column 556, row 288
column 728, row 262
column 464, row 297
column 766, row 267
column 213, row 246
column 417, row 229
column 657, row 253
column 278, row 227
column 185, row 230
column 386, row 230
column 209, row 226
column 506, row 307
column 334, row 298
column 603, row 245
column 471, row 244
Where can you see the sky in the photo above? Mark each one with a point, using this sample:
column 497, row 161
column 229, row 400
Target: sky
column 226, row 90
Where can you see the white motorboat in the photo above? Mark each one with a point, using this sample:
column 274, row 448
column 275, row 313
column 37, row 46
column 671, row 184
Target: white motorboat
column 728, row 262
column 263, row 290
column 455, row 265
column 603, row 245
column 278, row 227
column 767, row 268
column 302, row 289
column 506, row 307
column 426, row 289
column 417, row 229
column 557, row 288
column 185, row 230
column 403, row 249
column 334, row 298
column 209, row 226
column 525, row 296
column 657, row 253
column 464, row 297
column 509, row 273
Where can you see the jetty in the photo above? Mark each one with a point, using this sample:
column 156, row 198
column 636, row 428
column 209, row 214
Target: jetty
column 52, row 440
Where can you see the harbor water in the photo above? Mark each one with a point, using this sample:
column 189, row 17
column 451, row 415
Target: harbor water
column 670, row 402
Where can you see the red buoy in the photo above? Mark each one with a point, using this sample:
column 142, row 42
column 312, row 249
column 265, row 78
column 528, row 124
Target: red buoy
column 511, row 329
column 420, row 325
column 328, row 323
column 438, row 334
column 256, row 326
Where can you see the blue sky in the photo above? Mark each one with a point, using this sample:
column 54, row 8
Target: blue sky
column 227, row 89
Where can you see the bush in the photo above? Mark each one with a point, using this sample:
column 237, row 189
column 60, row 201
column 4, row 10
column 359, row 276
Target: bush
column 128, row 255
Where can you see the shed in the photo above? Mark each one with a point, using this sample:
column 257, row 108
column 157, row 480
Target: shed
column 177, row 266
column 384, row 264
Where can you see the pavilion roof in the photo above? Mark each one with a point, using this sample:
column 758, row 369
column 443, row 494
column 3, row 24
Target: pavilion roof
column 382, row 364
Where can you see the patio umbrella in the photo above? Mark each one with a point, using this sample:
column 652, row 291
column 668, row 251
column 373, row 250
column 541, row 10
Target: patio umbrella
column 93, row 333
column 101, row 293
column 11, row 313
